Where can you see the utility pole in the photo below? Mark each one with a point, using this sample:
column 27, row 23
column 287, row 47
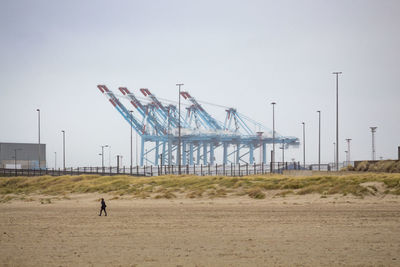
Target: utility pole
column 334, row 155
column 179, row 129
column 38, row 110
column 373, row 130
column 348, row 159
column 55, row 160
column 63, row 132
column 337, row 118
column 273, row 134
column 319, row 140
column 131, row 138
column 304, row 144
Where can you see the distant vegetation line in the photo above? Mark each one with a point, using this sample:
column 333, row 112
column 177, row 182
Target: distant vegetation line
column 185, row 186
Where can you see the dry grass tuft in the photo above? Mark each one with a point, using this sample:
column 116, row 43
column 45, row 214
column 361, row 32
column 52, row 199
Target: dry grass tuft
column 256, row 193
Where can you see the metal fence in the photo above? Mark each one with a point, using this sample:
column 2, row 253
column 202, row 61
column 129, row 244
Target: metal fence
column 201, row 170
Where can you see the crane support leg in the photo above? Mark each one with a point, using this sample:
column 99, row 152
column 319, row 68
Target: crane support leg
column 237, row 154
column 183, row 153
column 142, row 152
column 163, row 154
column 212, row 153
column 191, row 153
column 225, row 160
column 198, row 153
column 157, row 156
column 251, row 154
column 205, row 161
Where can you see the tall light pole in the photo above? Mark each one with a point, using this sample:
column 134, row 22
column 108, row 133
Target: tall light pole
column 348, row 159
column 63, row 132
column 319, row 140
column 334, row 154
column 273, row 133
column 55, row 160
column 373, row 130
column 38, row 110
column 337, row 118
column 102, row 155
column 179, row 130
column 304, row 144
column 130, row 111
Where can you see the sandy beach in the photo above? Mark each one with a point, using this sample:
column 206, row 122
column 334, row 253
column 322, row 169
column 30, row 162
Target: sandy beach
column 236, row 231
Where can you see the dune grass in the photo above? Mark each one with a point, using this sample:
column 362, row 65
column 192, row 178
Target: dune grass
column 391, row 166
column 198, row 187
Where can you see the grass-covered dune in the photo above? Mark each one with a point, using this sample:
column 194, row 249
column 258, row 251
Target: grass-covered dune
column 360, row 184
column 392, row 166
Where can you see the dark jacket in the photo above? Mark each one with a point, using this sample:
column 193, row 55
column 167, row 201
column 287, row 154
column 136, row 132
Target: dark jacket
column 103, row 204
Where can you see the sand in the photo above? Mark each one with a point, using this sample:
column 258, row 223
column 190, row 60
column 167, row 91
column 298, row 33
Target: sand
column 238, row 231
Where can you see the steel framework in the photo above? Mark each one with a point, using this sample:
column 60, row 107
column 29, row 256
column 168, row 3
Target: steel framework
column 201, row 134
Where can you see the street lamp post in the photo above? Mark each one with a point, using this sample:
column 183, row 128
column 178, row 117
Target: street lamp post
column 337, row 118
column 55, row 160
column 131, row 138
column 63, row 132
column 38, row 110
column 273, row 134
column 179, row 130
column 304, row 144
column 319, row 140
column 373, row 130
column 334, row 155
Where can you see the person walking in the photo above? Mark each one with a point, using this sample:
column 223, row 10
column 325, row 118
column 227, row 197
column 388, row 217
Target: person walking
column 103, row 207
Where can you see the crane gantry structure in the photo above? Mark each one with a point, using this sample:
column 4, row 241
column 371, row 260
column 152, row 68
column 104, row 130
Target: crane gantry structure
column 201, row 134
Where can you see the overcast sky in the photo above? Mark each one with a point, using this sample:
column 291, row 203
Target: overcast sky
column 243, row 54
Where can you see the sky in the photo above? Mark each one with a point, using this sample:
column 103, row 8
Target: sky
column 241, row 54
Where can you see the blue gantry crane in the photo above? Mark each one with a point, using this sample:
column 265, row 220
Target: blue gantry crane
column 201, row 134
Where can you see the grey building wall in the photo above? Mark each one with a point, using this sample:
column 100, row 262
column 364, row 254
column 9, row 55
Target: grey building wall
column 27, row 155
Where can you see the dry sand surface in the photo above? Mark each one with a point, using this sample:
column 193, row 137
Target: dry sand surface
column 290, row 231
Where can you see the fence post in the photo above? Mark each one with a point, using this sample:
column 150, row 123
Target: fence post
column 209, row 169
column 216, row 169
column 239, row 169
column 201, row 169
column 223, row 169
